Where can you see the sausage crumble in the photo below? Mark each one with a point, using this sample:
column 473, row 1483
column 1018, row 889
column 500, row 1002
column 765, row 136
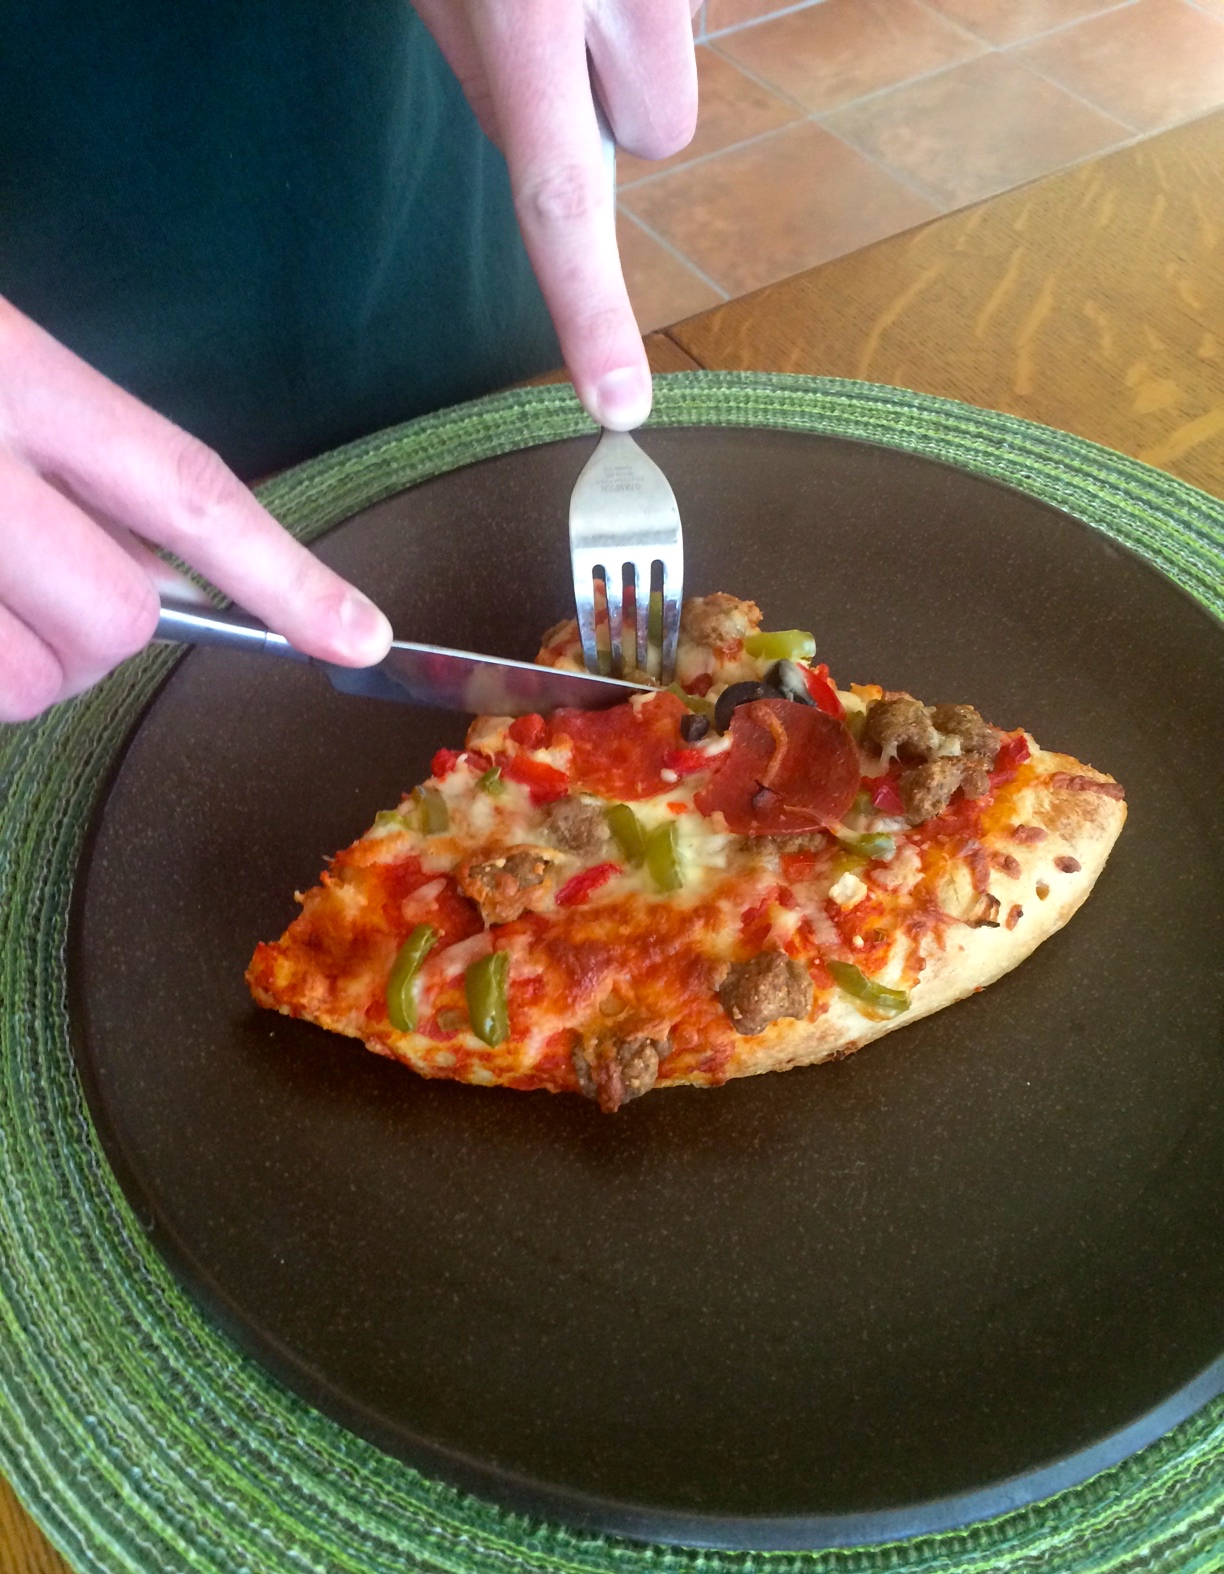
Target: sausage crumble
column 759, row 991
column 614, row 1071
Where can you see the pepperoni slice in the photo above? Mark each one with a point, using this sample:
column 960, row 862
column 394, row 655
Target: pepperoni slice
column 790, row 768
column 620, row 753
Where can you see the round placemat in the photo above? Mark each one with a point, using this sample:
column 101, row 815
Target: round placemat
column 133, row 1429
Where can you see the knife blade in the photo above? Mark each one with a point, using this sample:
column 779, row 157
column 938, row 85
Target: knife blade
column 412, row 674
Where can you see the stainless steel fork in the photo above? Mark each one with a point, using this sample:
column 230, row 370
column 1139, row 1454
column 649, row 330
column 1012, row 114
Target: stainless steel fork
column 626, row 545
column 627, row 551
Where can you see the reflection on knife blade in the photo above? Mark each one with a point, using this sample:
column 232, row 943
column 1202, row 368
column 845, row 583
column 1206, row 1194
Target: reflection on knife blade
column 411, row 674
column 480, row 685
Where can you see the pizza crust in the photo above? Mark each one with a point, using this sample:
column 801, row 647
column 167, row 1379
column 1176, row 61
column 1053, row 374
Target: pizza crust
column 644, row 988
column 1080, row 824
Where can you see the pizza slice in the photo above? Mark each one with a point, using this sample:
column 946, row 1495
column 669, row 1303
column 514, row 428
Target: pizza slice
column 748, row 871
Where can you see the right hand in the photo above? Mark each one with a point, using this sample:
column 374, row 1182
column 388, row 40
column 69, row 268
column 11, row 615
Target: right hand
column 524, row 69
column 88, row 475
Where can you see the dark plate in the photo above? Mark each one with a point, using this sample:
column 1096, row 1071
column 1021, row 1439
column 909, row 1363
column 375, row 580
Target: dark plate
column 966, row 1267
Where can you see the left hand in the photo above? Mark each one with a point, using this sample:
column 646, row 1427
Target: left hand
column 523, row 66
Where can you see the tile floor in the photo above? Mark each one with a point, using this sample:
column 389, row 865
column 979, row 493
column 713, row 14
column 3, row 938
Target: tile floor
column 832, row 123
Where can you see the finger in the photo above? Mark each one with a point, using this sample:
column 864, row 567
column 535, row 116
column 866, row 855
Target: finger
column 68, row 582
column 31, row 679
column 166, row 580
column 133, row 465
column 452, row 32
column 646, row 72
column 534, row 54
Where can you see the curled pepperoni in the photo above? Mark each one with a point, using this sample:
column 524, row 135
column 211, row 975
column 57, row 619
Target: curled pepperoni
column 790, row 768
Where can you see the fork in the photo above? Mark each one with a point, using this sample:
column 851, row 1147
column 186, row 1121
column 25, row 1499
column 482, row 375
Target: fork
column 625, row 541
column 626, row 545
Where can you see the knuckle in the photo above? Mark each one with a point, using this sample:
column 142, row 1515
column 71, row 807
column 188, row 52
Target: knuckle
column 30, row 685
column 204, row 484
column 562, row 196
column 123, row 624
column 604, row 326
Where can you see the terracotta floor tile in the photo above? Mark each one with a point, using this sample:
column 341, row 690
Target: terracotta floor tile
column 1150, row 64
column 1010, row 21
column 662, row 288
column 731, row 108
column 978, row 129
column 784, row 203
column 837, row 51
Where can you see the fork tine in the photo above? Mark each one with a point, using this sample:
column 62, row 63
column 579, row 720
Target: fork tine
column 615, row 590
column 623, row 515
column 671, row 619
column 584, row 603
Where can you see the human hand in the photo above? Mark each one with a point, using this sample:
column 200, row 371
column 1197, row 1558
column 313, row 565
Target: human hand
column 88, row 474
column 523, row 67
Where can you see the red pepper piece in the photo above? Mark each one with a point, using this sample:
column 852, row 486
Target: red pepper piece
column 700, row 685
column 544, row 782
column 1010, row 758
column 797, row 866
column 820, row 687
column 685, row 761
column 529, row 732
column 884, row 794
column 444, row 762
column 576, row 890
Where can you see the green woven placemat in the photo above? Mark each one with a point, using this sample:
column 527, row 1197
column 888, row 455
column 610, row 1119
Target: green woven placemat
column 135, row 1432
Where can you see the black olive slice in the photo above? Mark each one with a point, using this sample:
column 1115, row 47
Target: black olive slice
column 736, row 694
column 694, row 727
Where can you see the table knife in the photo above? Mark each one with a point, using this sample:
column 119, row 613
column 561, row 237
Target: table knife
column 413, row 674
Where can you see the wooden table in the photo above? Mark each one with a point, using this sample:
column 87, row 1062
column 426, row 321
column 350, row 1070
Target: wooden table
column 1092, row 300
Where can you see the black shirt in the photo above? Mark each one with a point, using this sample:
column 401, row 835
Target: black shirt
column 276, row 221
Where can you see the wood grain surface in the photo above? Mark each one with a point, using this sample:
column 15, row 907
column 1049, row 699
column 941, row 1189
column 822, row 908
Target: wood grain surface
column 1092, row 300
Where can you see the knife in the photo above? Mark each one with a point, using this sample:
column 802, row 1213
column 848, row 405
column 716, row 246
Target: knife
column 412, row 674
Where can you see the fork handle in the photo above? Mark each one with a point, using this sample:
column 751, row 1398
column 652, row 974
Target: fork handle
column 180, row 624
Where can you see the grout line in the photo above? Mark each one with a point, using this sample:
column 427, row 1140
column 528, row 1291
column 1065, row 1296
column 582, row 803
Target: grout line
column 901, row 177
column 678, row 255
column 1030, row 65
column 863, row 98
column 1207, row 10
column 1106, row 9
column 756, row 21
column 704, row 158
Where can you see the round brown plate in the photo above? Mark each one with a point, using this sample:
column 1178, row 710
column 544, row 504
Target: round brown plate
column 964, row 1268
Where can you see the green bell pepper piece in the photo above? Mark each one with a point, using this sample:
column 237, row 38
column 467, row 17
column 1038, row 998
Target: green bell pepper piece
column 431, row 805
column 697, row 703
column 891, row 1002
column 663, row 857
column 627, row 830
column 781, row 645
column 877, row 845
column 485, row 983
column 491, row 782
column 401, row 996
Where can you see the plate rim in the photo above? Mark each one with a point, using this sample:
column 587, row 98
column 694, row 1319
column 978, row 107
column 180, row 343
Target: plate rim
column 512, row 1490
column 1161, row 1505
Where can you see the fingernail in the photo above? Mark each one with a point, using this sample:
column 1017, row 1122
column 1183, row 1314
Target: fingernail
column 366, row 633
column 622, row 398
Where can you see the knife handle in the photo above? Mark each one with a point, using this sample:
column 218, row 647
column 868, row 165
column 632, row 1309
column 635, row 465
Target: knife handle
column 181, row 624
